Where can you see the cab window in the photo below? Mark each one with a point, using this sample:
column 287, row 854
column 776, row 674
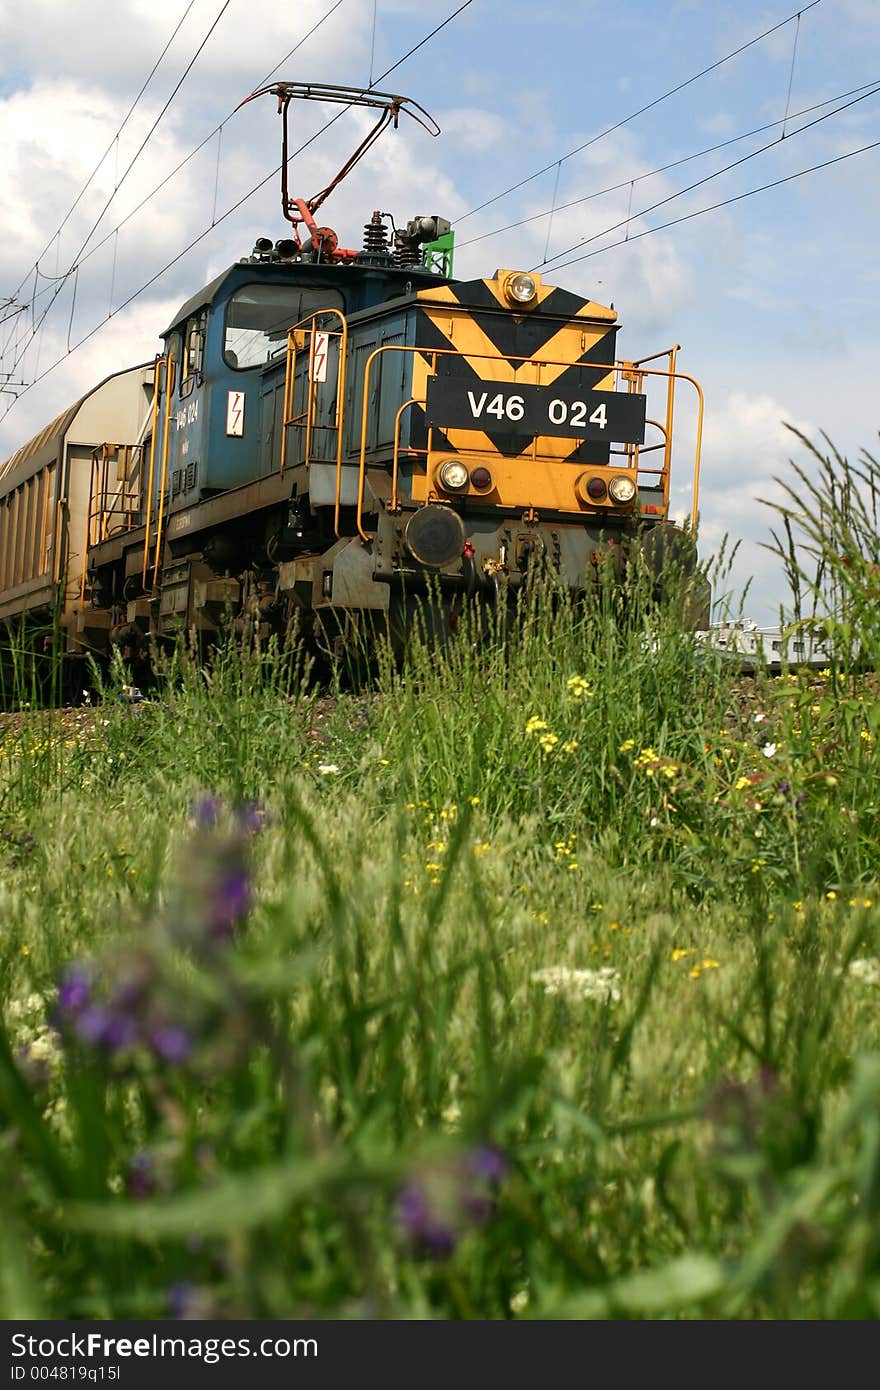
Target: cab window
column 258, row 317
column 193, row 351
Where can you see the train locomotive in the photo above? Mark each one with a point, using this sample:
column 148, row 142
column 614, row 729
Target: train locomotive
column 330, row 433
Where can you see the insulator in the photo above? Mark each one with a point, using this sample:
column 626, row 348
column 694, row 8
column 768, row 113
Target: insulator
column 406, row 251
column 375, row 235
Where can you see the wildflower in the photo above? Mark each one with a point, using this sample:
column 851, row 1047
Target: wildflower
column 579, row 985
column 866, row 970
column 519, row 1301
column 252, row 818
column 229, row 901
column 571, row 747
column 769, row 749
column 548, row 742
column 473, row 801
column 327, row 769
column 579, row 688
column 170, row 1043
column 444, row 1197
column 627, row 745
column 141, row 1180
column 709, row 963
column 534, row 725
column 74, row 991
column 758, row 865
column 206, row 811
column 831, row 895
column 759, row 717
column 742, row 783
column 25, row 950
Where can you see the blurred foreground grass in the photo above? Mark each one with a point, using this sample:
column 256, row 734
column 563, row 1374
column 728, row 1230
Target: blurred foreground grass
column 541, row 981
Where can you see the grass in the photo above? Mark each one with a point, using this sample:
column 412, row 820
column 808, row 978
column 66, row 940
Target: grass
column 538, row 981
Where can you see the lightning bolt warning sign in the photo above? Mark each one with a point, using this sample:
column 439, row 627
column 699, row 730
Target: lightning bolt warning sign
column 235, row 413
column 319, row 356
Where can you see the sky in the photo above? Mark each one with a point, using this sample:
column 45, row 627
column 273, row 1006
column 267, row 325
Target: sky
column 772, row 297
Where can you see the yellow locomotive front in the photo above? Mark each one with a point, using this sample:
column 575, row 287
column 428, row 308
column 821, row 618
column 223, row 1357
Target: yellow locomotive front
column 495, row 429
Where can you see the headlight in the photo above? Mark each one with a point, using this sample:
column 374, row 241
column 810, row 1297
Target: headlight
column 453, row 475
column 520, row 289
column 622, row 488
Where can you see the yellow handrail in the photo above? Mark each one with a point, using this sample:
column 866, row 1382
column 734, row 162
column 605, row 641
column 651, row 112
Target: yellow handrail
column 635, row 368
column 148, row 495
column 309, row 325
column 169, row 393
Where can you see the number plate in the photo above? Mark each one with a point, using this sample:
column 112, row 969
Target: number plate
column 455, row 403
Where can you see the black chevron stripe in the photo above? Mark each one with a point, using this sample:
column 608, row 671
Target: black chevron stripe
column 430, row 338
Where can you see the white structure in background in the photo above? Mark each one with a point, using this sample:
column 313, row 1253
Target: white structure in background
column 742, row 642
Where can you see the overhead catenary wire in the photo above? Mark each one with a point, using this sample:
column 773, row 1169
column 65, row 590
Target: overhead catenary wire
column 725, row 202
column 649, row 106
column 74, row 265
column 119, row 129
column 229, row 211
column 868, row 87
column 707, row 178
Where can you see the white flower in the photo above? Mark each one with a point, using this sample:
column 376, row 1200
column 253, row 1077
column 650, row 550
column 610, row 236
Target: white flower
column 328, row 769
column 579, row 985
column 769, row 749
column 759, row 718
column 520, row 1301
column 867, row 970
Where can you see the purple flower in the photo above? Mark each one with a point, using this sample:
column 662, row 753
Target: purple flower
column 229, row 900
column 74, row 991
column 92, row 1025
column 252, row 817
column 488, row 1164
column 421, row 1222
column 170, row 1043
column 98, row 1026
column 142, row 1175
column 206, row 811
column 437, row 1204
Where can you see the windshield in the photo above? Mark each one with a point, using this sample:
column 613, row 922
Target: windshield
column 258, row 317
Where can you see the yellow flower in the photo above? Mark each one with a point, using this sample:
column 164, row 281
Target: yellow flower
column 669, row 770
column 574, row 865
column 627, row 745
column 25, row 950
column 758, row 865
column 614, row 926
column 711, row 964
column 571, row 747
column 548, row 742
column 482, row 848
column 742, row 783
column 646, row 756
column 534, row 725
column 383, row 762
column 831, row 895
column 473, row 801
column 696, row 972
column 681, row 951
column 579, row 687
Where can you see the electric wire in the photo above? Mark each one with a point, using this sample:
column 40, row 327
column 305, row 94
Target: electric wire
column 673, row 91
column 725, row 202
column 870, row 88
column 74, row 265
column 229, row 211
column 126, row 118
column 707, row 178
